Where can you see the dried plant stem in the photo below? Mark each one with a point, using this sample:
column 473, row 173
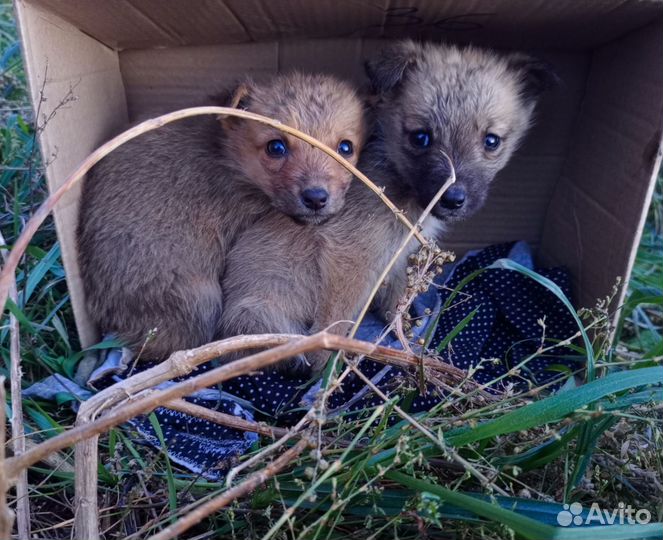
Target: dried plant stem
column 6, row 515
column 414, row 231
column 56, row 462
column 18, row 431
column 240, row 490
column 226, row 419
column 435, row 440
column 178, row 365
column 42, row 212
column 262, row 455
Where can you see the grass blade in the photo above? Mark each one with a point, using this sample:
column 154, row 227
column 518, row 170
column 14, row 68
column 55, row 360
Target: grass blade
column 508, row 264
column 38, row 272
column 456, row 330
column 558, row 406
column 172, row 489
column 525, row 526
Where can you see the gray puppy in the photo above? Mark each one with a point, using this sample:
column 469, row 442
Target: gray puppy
column 471, row 104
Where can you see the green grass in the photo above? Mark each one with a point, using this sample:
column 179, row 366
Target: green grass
column 599, row 443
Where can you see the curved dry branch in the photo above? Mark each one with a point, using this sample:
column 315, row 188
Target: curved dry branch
column 148, row 125
column 227, row 420
column 6, row 515
column 414, row 230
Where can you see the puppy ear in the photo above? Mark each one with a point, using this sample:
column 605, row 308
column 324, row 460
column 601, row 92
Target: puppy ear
column 388, row 70
column 537, row 76
column 239, row 98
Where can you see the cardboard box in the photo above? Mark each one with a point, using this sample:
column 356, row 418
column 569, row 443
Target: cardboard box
column 578, row 190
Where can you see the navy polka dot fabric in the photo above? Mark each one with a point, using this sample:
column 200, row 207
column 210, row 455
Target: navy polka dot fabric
column 513, row 317
column 199, row 445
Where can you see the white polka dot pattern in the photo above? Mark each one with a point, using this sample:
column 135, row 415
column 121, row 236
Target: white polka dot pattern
column 504, row 331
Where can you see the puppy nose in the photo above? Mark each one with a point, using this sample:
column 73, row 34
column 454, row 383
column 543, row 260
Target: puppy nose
column 315, row 198
column 453, row 198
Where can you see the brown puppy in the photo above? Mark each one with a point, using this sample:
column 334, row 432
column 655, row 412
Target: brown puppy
column 472, row 104
column 159, row 215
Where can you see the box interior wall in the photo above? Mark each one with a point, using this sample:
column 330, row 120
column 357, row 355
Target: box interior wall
column 577, row 190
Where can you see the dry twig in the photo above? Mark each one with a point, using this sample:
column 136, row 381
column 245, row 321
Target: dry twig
column 148, row 401
column 414, row 231
column 178, row 365
column 262, row 455
column 6, row 515
column 224, row 419
column 240, row 490
column 18, row 431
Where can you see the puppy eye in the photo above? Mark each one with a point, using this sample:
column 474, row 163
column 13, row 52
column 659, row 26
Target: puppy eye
column 345, row 148
column 491, row 142
column 276, row 148
column 420, row 138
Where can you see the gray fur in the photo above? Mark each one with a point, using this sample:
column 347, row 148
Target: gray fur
column 306, row 278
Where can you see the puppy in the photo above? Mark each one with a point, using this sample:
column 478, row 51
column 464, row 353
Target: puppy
column 159, row 215
column 473, row 105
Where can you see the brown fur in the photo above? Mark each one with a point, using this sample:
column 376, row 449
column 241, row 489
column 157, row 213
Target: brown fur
column 159, row 215
column 306, row 278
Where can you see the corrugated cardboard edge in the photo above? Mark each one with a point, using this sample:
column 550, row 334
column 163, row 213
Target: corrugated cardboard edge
column 641, row 227
column 101, row 92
